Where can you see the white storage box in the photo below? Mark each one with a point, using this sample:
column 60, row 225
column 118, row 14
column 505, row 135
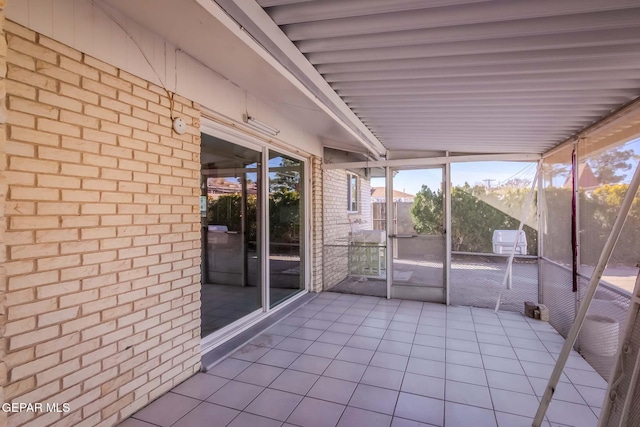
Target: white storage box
column 503, row 242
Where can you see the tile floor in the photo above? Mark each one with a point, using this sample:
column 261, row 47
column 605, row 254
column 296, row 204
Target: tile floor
column 350, row 361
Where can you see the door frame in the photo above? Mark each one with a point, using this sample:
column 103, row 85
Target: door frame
column 446, row 210
column 235, row 136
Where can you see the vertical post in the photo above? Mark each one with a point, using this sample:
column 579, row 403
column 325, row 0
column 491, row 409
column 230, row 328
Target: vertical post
column 243, row 230
column 589, row 293
column 263, row 215
column 447, row 229
column 541, row 226
column 389, row 226
column 575, row 194
column 575, row 225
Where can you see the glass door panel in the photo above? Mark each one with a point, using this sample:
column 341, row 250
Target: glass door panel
column 286, row 227
column 417, row 235
column 230, row 210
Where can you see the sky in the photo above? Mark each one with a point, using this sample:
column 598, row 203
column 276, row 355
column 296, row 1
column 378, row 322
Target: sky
column 410, row 181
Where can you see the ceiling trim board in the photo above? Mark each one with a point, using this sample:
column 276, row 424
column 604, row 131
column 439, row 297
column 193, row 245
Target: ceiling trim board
column 434, row 161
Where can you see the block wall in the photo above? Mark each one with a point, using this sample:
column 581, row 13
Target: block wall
column 102, row 236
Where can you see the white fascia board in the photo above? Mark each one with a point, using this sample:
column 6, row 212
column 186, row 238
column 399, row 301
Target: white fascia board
column 260, row 18
column 431, row 161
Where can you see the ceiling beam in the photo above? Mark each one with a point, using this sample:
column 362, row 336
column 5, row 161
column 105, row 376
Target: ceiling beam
column 334, row 9
column 482, row 31
column 577, row 75
column 428, row 89
column 474, row 47
column 540, row 58
column 494, row 11
column 434, row 161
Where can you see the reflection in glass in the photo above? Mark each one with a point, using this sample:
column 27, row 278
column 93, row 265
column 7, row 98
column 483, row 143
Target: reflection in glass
column 231, row 286
column 286, row 226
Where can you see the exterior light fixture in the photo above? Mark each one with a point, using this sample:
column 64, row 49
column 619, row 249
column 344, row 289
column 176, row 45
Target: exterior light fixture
column 262, row 127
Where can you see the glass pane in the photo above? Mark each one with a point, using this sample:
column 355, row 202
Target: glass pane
column 231, row 286
column 353, row 193
column 286, row 226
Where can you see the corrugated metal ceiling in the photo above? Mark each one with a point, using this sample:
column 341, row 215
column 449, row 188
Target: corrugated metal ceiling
column 471, row 75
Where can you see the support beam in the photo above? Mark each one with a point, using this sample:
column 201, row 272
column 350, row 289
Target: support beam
column 432, row 161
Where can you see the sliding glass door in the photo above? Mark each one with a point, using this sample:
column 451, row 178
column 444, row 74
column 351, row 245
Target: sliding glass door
column 253, row 234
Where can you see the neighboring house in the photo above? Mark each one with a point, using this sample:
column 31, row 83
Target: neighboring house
column 586, row 178
column 378, row 195
column 220, row 186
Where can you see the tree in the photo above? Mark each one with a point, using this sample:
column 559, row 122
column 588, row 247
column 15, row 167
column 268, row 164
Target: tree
column 427, row 211
column 473, row 221
column 287, row 176
column 517, row 183
column 551, row 171
column 609, row 166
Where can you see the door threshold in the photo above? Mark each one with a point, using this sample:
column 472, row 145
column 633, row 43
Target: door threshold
column 219, row 353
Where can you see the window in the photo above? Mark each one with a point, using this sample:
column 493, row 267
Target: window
column 352, row 193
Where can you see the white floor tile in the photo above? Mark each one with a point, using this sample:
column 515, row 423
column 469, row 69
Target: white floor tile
column 464, row 358
column 457, row 415
column 594, row 397
column 426, row 367
column 374, row 399
column 462, row 345
column 430, row 353
column 535, row 356
column 571, row 414
column 347, row 360
column 352, row 417
column 497, row 350
column 466, row 374
column 316, row 413
column 514, row 403
column 511, row 382
column 423, row 385
column 582, row 377
column 564, row 391
column 381, row 377
column 467, row 394
column 420, row 408
column 511, row 420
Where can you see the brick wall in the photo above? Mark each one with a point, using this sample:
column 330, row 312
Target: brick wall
column 317, row 223
column 338, row 223
column 102, row 239
column 3, row 224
